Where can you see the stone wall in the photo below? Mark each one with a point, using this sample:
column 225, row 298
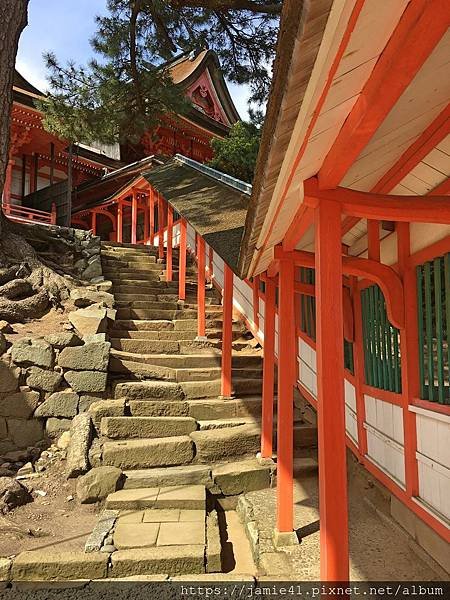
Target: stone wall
column 45, row 382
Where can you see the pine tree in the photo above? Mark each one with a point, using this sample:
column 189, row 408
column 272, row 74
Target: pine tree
column 13, row 19
column 126, row 89
column 237, row 153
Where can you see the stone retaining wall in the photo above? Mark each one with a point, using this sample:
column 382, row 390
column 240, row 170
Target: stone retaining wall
column 45, row 382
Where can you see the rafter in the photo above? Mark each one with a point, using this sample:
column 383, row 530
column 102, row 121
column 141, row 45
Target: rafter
column 419, row 30
column 302, row 221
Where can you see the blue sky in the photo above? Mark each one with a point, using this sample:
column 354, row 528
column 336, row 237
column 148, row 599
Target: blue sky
column 65, row 27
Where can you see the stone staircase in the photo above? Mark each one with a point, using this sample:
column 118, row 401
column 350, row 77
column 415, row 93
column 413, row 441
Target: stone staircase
column 167, row 427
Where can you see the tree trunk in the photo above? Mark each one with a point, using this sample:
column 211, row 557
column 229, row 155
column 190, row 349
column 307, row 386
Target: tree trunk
column 13, row 19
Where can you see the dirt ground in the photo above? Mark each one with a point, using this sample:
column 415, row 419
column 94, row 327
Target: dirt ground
column 52, row 322
column 55, row 520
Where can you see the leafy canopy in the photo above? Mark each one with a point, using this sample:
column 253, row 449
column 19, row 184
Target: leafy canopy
column 237, row 153
column 126, row 88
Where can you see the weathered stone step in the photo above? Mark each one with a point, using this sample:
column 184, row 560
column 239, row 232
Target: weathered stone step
column 169, row 296
column 207, row 425
column 175, row 325
column 217, row 445
column 305, row 435
column 304, row 464
column 145, row 453
column 121, row 428
column 125, row 246
column 117, row 276
column 170, row 315
column 123, row 334
column 168, row 476
column 170, row 560
column 142, row 263
column 228, row 478
column 172, row 391
column 179, row 355
column 190, row 497
column 156, row 304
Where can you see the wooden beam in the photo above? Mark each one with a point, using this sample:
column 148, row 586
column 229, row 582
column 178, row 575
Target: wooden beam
column 382, row 207
column 302, row 221
column 418, row 32
column 441, row 190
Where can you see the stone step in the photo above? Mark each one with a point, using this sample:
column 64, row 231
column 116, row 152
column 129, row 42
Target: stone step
column 179, row 355
column 305, row 464
column 197, row 409
column 305, row 435
column 130, row 335
column 148, row 452
column 171, row 560
column 207, row 425
column 139, row 264
column 170, row 315
column 213, row 326
column 172, row 391
column 121, row 428
column 169, row 296
column 217, row 445
column 158, row 304
column 228, row 478
column 189, row 497
column 117, row 276
column 147, row 370
column 168, row 476
column 127, row 246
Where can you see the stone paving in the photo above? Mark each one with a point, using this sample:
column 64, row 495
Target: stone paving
column 379, row 549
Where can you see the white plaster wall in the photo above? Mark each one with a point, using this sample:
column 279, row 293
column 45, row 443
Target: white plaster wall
column 385, row 437
column 433, row 456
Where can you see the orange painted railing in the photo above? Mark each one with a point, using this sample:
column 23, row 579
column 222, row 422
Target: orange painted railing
column 16, row 212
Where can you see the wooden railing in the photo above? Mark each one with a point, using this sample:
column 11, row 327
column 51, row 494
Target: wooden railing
column 29, row 215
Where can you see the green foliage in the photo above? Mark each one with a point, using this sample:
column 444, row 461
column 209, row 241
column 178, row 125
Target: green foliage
column 125, row 90
column 237, row 153
column 103, row 103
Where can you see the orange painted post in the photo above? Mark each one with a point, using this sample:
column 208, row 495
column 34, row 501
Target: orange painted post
column 169, row 267
column 227, row 333
column 358, row 362
column 160, row 227
column 334, row 561
column 182, row 261
column 94, row 222
column 373, row 239
column 268, row 370
column 119, row 222
column 409, row 345
column 134, row 211
column 146, row 222
column 255, row 289
column 201, row 287
column 54, row 214
column 151, row 212
column 286, row 378
column 210, row 264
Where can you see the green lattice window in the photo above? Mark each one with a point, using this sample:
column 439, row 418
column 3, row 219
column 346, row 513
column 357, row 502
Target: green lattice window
column 381, row 341
column 433, row 303
column 308, row 305
column 348, row 356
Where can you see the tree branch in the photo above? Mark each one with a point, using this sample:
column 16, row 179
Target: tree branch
column 269, row 8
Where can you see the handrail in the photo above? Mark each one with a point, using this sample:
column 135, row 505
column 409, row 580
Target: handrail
column 29, row 215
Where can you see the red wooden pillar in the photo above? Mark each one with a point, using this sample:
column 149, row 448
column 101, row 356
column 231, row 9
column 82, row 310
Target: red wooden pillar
column 134, row 212
column 268, row 370
column 409, row 345
column 255, row 289
column 119, row 221
column 94, row 222
column 334, row 562
column 227, row 333
column 182, row 261
column 373, row 239
column 151, row 212
column 201, row 286
column 146, row 221
column 169, row 268
column 160, row 227
column 358, row 362
column 286, row 378
column 54, row 214
column 210, row 263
